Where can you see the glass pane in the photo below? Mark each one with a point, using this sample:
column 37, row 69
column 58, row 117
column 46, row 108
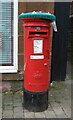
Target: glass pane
column 6, row 33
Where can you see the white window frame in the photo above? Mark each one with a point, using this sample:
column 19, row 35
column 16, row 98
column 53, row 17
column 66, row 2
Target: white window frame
column 14, row 68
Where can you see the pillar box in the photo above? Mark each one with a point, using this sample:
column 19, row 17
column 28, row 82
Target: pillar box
column 36, row 59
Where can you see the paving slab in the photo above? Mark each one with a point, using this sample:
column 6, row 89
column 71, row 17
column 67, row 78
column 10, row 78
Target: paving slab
column 7, row 114
column 8, row 106
column 17, row 100
column 29, row 114
column 18, row 112
column 49, row 113
column 39, row 115
column 66, row 109
column 7, row 99
column 25, row 110
column 60, row 105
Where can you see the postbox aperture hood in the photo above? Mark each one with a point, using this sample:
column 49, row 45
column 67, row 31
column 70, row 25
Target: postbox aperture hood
column 34, row 14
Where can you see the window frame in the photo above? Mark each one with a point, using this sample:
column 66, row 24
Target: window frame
column 14, row 67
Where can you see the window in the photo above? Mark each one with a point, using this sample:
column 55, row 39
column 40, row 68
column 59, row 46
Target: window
column 8, row 36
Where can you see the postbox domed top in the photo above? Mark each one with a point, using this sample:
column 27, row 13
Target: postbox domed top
column 40, row 14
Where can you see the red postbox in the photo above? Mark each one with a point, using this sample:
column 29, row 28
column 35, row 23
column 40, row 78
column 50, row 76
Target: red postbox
column 36, row 61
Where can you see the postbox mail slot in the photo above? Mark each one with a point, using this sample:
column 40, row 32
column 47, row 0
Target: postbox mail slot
column 43, row 34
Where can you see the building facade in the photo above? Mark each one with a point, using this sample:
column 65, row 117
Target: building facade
column 11, row 36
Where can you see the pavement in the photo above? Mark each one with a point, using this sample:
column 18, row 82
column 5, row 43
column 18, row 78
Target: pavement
column 59, row 102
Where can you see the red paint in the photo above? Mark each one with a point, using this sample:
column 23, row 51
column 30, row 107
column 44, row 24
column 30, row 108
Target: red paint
column 36, row 71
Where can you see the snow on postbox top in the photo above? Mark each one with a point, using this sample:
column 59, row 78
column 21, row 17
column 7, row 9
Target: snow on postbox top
column 40, row 14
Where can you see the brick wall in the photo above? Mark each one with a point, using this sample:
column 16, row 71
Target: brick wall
column 26, row 7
